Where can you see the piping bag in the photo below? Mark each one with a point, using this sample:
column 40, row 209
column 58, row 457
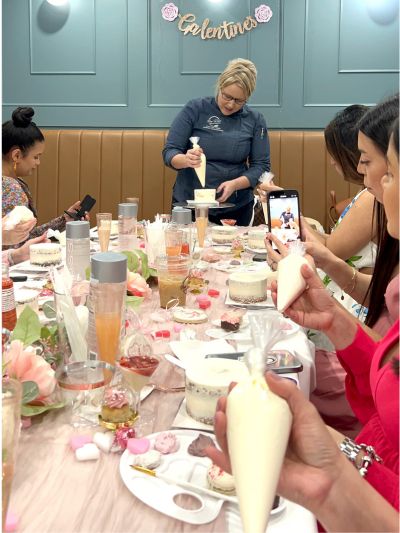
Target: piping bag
column 290, row 281
column 258, row 429
column 201, row 170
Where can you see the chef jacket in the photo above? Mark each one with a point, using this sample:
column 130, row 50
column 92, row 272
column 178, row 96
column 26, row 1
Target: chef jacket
column 234, row 145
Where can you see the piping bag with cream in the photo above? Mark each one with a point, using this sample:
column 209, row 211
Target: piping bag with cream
column 201, row 170
column 290, row 281
column 258, row 429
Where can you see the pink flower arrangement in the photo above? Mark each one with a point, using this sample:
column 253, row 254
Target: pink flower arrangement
column 137, row 285
column 25, row 365
column 169, row 12
column 263, row 13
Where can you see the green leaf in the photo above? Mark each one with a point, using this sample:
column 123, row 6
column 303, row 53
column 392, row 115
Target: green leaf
column 33, row 410
column 49, row 332
column 132, row 261
column 49, row 309
column 27, row 328
column 145, row 263
column 350, row 261
column 134, row 301
column 30, row 391
column 153, row 273
column 326, row 280
column 87, row 273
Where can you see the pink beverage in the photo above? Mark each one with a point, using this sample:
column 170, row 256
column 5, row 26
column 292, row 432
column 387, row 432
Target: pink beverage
column 138, row 369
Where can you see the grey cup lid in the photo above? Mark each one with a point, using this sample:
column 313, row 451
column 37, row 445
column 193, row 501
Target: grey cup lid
column 108, row 267
column 181, row 216
column 127, row 210
column 77, row 230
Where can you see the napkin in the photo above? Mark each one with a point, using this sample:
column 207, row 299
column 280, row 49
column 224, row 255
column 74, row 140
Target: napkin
column 188, row 351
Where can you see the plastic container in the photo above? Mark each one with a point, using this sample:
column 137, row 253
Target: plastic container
column 127, row 221
column 78, row 248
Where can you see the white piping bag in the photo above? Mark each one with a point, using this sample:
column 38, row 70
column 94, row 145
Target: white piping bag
column 201, row 170
column 290, row 281
column 258, row 429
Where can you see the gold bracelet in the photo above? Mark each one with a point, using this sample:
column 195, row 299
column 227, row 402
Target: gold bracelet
column 349, row 288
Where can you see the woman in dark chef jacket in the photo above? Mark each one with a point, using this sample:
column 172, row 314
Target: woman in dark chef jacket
column 233, row 137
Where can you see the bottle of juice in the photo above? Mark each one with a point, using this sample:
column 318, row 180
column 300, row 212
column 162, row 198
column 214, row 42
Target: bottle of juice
column 8, row 308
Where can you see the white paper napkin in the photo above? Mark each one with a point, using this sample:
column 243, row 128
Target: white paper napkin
column 188, row 351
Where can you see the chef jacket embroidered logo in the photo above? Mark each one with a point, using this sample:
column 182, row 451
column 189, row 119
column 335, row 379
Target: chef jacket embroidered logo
column 213, row 123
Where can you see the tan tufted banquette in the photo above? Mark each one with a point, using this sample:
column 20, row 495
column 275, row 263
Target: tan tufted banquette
column 114, row 164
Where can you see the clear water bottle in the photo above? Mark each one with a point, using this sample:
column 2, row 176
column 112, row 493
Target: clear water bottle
column 127, row 221
column 78, row 248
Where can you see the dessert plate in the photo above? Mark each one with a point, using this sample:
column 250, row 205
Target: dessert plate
column 218, row 333
column 181, row 466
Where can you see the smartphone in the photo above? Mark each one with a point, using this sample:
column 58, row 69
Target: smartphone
column 284, row 215
column 86, row 205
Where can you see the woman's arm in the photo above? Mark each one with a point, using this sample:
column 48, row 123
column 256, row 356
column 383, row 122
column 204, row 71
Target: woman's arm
column 175, row 152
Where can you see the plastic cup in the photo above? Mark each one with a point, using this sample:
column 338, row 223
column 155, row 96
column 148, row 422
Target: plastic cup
column 104, row 229
column 172, row 275
column 173, row 241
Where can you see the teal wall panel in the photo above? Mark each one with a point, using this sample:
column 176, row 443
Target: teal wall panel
column 118, row 64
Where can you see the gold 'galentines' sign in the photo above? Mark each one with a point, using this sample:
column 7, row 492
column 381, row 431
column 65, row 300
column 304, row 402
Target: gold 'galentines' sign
column 226, row 30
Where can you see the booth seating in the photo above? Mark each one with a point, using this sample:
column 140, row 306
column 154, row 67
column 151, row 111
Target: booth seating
column 112, row 165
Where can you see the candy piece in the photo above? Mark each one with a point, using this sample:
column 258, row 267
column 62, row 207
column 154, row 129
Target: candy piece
column 198, row 446
column 150, row 459
column 166, row 443
column 11, row 521
column 205, row 304
column 104, row 441
column 220, row 480
column 89, row 452
column 138, row 446
column 122, row 435
column 78, row 441
column 213, row 293
column 202, row 298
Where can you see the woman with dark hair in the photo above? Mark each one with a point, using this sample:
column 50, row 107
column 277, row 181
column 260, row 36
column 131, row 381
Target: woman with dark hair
column 22, row 146
column 352, row 235
column 373, row 389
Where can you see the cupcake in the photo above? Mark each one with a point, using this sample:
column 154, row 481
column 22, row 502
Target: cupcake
column 118, row 408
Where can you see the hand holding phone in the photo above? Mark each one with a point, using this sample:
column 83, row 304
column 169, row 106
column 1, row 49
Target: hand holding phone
column 284, row 215
column 85, row 206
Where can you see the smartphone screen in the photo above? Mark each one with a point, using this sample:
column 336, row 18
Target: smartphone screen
column 284, row 215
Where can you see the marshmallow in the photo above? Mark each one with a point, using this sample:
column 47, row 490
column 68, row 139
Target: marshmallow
column 77, row 441
column 104, row 441
column 138, row 445
column 89, row 452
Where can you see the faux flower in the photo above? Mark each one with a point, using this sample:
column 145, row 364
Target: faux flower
column 169, row 11
column 137, row 285
column 263, row 13
column 25, row 365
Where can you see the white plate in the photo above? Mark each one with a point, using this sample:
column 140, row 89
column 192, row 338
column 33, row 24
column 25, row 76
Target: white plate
column 244, row 323
column 218, row 333
column 179, row 465
column 27, row 268
column 266, row 304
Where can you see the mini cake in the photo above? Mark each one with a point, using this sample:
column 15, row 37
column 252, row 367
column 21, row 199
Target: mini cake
column 248, row 287
column 208, row 380
column 220, row 481
column 150, row 459
column 198, row 446
column 223, row 234
column 205, row 195
column 256, row 238
column 45, row 254
column 116, row 408
column 231, row 320
column 210, row 256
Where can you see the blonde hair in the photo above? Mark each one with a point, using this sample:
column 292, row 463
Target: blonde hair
column 241, row 72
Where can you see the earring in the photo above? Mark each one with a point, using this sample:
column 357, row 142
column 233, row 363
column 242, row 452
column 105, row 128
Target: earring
column 15, row 167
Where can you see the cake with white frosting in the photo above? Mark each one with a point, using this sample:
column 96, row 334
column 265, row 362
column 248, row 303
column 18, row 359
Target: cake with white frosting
column 45, row 254
column 248, row 287
column 223, row 234
column 208, row 380
column 205, row 195
column 256, row 238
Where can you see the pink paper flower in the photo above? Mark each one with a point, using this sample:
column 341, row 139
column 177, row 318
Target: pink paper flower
column 25, row 365
column 137, row 285
column 169, row 12
column 263, row 13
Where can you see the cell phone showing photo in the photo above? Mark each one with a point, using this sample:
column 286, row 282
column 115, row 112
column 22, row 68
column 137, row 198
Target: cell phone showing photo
column 284, row 215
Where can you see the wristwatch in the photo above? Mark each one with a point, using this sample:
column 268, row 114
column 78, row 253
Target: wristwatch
column 351, row 450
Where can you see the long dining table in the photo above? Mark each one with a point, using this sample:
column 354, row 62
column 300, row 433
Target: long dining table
column 52, row 492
